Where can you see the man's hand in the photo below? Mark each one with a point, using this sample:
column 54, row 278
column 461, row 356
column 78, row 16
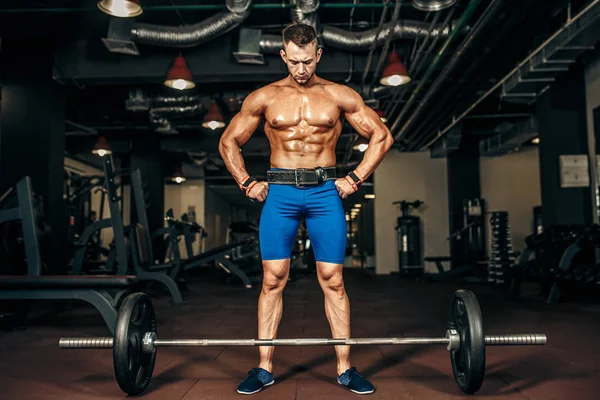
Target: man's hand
column 344, row 187
column 259, row 191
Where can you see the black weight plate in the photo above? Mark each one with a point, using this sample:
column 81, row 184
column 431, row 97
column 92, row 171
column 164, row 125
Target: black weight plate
column 468, row 363
column 133, row 367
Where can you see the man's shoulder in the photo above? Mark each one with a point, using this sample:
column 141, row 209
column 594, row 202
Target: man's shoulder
column 341, row 91
column 262, row 94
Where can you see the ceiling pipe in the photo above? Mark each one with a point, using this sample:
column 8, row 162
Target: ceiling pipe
column 488, row 57
column 372, row 48
column 457, row 119
column 187, row 7
column 415, row 67
column 480, row 30
column 460, row 25
column 384, row 53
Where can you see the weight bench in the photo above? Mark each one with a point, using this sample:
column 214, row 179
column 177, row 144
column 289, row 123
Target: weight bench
column 146, row 270
column 438, row 262
column 451, row 273
column 218, row 254
column 93, row 289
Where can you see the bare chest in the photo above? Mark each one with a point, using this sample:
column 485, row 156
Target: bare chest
column 288, row 110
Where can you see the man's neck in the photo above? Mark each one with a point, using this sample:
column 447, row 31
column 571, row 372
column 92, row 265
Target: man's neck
column 309, row 83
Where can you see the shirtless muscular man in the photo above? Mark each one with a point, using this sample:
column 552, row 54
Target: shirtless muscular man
column 302, row 115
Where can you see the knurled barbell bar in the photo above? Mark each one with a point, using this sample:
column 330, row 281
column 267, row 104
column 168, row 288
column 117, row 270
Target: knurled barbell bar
column 135, row 342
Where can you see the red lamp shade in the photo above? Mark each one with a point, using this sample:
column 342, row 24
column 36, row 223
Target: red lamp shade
column 102, row 148
column 395, row 73
column 121, row 8
column 179, row 75
column 213, row 118
column 178, row 176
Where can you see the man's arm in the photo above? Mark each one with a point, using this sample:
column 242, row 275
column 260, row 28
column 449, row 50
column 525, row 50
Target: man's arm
column 368, row 124
column 239, row 131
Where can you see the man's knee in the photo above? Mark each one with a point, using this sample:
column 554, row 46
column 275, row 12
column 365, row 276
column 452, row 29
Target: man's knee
column 275, row 276
column 332, row 281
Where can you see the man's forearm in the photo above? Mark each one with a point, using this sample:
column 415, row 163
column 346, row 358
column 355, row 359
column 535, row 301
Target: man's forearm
column 232, row 156
column 378, row 147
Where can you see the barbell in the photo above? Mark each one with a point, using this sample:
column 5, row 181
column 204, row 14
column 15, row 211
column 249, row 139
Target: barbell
column 135, row 342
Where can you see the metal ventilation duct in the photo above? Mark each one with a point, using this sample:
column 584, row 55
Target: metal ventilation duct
column 361, row 41
column 120, row 41
column 164, row 108
column 188, row 35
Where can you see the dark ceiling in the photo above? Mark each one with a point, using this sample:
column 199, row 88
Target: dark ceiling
column 498, row 34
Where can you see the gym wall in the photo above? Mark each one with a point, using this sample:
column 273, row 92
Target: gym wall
column 410, row 176
column 180, row 197
column 512, row 183
column 217, row 218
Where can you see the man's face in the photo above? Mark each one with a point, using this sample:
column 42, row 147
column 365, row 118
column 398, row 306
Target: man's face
column 301, row 61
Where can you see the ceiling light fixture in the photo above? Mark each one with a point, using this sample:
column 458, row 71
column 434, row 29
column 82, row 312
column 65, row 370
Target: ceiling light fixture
column 395, row 73
column 121, row 8
column 179, row 75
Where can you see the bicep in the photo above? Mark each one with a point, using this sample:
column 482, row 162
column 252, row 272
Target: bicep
column 366, row 121
column 362, row 118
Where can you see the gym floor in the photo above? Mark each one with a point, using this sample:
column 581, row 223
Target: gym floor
column 568, row 367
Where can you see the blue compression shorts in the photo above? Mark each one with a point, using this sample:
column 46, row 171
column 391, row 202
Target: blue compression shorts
column 284, row 208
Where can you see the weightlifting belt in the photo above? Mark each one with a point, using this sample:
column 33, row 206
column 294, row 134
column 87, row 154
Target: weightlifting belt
column 302, row 176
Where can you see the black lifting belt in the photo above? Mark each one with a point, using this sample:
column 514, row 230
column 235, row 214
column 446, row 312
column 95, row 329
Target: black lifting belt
column 301, row 176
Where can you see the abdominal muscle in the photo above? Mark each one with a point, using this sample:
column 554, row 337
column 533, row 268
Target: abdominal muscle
column 302, row 146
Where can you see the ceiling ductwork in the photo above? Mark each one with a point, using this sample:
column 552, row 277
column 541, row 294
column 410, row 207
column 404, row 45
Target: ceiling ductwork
column 253, row 44
column 123, row 34
column 305, row 12
column 361, row 41
column 165, row 108
column 188, row 35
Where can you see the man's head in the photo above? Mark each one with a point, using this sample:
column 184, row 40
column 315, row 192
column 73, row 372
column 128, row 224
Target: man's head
column 300, row 51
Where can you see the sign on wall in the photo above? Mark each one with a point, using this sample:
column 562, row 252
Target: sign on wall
column 574, row 171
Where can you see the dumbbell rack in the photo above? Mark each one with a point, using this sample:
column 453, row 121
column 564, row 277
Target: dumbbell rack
column 502, row 256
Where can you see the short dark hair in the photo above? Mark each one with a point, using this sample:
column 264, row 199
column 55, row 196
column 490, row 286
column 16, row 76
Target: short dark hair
column 300, row 34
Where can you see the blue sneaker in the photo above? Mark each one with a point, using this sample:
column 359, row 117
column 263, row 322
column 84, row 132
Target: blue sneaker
column 355, row 382
column 256, row 380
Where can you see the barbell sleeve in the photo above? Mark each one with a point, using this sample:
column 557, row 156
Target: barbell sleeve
column 86, row 343
column 534, row 339
column 490, row 340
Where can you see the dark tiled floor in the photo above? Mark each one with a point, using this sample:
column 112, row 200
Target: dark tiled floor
column 32, row 366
